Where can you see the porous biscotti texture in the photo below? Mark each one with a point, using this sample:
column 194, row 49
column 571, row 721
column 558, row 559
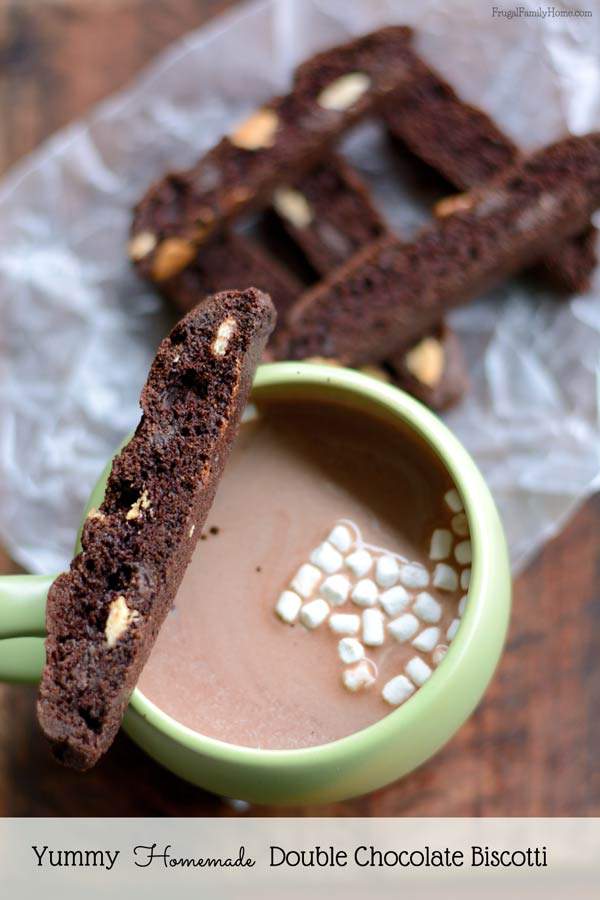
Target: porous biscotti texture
column 231, row 261
column 433, row 369
column 104, row 614
column 456, row 139
column 391, row 293
column 464, row 145
column 279, row 142
column 571, row 265
column 328, row 213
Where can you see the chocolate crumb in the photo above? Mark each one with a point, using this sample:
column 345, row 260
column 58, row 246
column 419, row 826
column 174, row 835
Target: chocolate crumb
column 213, row 529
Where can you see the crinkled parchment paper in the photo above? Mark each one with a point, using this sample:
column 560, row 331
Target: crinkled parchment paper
column 78, row 330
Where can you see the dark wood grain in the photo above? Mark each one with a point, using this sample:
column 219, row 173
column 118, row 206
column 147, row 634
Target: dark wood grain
column 533, row 746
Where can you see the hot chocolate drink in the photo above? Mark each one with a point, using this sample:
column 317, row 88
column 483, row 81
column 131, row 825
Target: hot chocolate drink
column 328, row 583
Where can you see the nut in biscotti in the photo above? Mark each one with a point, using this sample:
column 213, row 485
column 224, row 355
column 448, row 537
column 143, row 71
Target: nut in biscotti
column 426, row 361
column 224, row 334
column 344, row 92
column 120, row 617
column 453, row 204
column 141, row 245
column 170, row 257
column 95, row 514
column 142, row 503
column 257, row 132
column 293, row 206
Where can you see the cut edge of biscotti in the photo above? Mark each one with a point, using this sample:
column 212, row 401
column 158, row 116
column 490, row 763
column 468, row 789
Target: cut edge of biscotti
column 104, row 614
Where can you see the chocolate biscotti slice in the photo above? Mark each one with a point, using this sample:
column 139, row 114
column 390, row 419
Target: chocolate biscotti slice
column 230, row 261
column 464, row 145
column 104, row 614
column 571, row 266
column 328, row 213
column 284, row 138
column 433, row 369
column 393, row 293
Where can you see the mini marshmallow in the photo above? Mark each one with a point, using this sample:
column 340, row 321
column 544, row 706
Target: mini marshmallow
column 460, row 525
column 452, row 498
column 327, row 558
column 335, row 589
column 427, row 639
column 417, row 670
column 404, row 627
column 427, row 608
column 387, row 571
column 462, row 604
column 341, row 538
column 350, row 650
column 414, row 575
column 462, row 553
column 441, row 542
column 465, row 579
column 445, row 577
column 452, row 629
column 288, row 606
column 439, row 653
column 397, row 690
column 395, row 600
column 306, row 579
column 372, row 628
column 365, row 592
column 344, row 623
column 359, row 562
column 314, row 613
column 358, row 677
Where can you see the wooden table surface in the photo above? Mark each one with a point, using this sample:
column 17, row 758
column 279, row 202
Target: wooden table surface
column 533, row 746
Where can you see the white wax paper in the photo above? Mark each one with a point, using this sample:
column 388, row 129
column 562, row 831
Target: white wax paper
column 78, row 329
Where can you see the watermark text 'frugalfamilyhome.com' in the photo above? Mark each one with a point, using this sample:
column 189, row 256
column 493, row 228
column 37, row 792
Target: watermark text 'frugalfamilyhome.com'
column 539, row 12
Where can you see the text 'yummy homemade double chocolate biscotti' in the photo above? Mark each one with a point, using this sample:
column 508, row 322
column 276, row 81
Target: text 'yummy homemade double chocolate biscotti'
column 290, row 134
column 391, row 294
column 104, row 614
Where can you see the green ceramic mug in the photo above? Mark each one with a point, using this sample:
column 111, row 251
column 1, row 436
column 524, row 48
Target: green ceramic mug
column 369, row 758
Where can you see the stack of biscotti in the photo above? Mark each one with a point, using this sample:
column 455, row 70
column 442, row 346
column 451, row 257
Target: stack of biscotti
column 391, row 293
column 286, row 137
column 281, row 159
column 104, row 614
column 466, row 147
column 342, row 216
column 330, row 216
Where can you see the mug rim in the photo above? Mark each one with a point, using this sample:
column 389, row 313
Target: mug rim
column 465, row 477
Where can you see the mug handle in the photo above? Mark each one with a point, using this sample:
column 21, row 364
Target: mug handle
column 22, row 624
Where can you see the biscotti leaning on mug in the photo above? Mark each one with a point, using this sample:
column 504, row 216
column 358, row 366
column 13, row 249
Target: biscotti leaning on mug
column 104, row 614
